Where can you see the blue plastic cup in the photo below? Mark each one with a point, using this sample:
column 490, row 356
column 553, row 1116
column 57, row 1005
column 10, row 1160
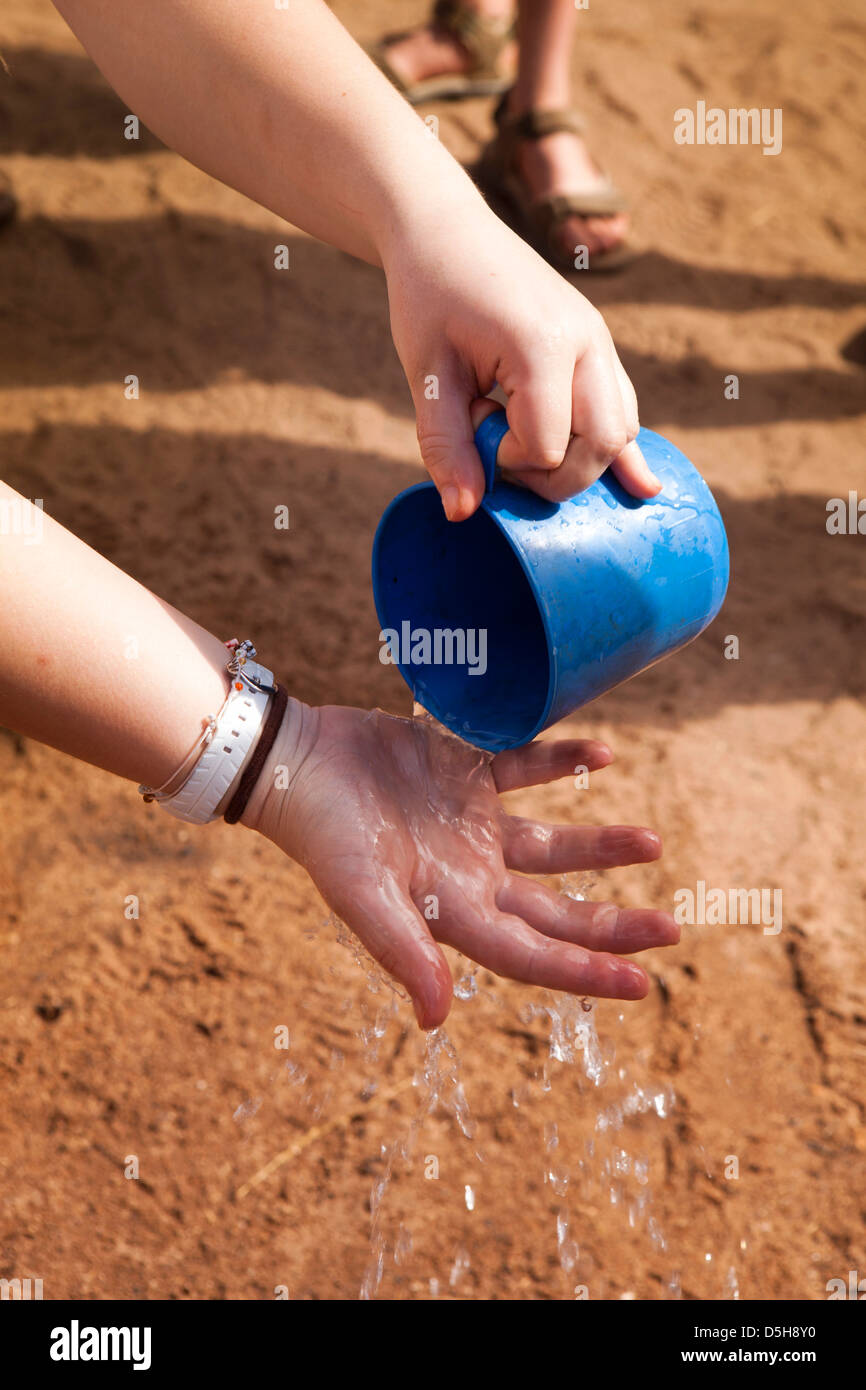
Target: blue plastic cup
column 572, row 598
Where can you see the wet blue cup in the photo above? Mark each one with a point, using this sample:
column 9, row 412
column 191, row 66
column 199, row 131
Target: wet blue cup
column 572, row 598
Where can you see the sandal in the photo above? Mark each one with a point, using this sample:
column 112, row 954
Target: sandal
column 541, row 217
column 8, row 201
column 483, row 37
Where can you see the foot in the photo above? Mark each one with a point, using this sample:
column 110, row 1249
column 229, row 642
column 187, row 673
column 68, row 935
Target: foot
column 561, row 163
column 433, row 52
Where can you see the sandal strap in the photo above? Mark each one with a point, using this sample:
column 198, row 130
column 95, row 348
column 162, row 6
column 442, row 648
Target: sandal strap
column 548, row 212
column 537, row 122
column 535, row 125
column 530, row 125
column 483, row 36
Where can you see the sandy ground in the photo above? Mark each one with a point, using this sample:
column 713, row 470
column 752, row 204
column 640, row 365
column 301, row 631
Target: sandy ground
column 144, row 1037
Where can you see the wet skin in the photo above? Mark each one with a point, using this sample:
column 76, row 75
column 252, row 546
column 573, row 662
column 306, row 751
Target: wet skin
column 396, row 820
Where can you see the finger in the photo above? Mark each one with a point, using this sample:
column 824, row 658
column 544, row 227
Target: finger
column 599, row 421
column 539, row 408
column 481, row 407
column 385, row 919
column 511, row 455
column 537, row 763
column 531, row 847
column 508, row 946
column 635, row 474
column 599, row 431
column 604, row 424
column 627, row 395
column 598, row 926
column 630, row 466
column 445, row 437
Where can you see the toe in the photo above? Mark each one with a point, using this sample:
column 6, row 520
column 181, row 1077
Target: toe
column 597, row 234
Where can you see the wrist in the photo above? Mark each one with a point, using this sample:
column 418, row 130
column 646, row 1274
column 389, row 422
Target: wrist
column 410, row 226
column 268, row 809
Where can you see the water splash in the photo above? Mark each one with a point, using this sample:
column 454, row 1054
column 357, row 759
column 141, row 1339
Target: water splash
column 577, row 1058
column 461, row 1266
column 438, row 1084
column 579, row 1066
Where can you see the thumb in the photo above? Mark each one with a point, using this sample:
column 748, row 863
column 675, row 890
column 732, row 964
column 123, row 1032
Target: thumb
column 445, row 437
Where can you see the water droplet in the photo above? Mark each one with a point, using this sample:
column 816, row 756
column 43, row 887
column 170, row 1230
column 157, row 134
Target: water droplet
column 246, row 1110
column 467, row 987
column 460, row 1267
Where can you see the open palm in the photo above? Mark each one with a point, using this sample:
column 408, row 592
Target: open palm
column 401, row 827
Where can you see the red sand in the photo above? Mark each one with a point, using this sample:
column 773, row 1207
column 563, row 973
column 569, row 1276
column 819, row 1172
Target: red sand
column 143, row 1037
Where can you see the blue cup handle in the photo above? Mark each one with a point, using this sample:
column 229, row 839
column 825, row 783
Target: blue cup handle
column 488, row 438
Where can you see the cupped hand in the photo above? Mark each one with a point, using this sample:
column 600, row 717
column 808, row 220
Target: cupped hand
column 401, row 827
column 472, row 305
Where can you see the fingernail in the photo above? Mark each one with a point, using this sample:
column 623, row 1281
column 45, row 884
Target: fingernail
column 451, row 501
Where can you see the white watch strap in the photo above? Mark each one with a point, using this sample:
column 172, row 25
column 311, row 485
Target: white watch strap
column 239, row 723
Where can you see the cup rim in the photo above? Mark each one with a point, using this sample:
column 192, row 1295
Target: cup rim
column 493, row 515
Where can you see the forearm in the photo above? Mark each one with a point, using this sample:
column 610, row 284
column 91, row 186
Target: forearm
column 282, row 105
column 93, row 663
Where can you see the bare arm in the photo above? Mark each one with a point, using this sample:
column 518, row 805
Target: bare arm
column 375, row 808
column 94, row 663
column 283, row 105
column 280, row 104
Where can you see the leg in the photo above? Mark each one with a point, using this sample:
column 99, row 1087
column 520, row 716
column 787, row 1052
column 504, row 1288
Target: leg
column 559, row 163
